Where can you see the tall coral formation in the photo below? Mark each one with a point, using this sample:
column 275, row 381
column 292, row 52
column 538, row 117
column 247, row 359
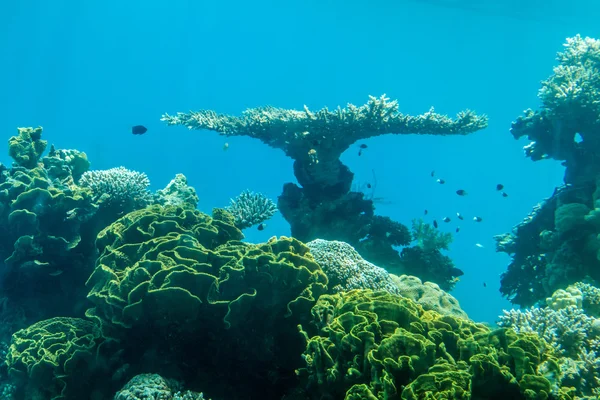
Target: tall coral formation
column 558, row 244
column 323, row 206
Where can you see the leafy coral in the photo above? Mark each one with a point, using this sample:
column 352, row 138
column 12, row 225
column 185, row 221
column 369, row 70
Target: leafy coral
column 175, row 277
column 59, row 359
column 376, row 345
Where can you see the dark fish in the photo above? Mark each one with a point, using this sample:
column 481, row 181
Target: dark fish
column 459, row 216
column 456, row 272
column 441, row 181
column 261, row 227
column 435, row 225
column 484, row 284
column 139, row 130
column 457, row 229
column 477, row 219
column 432, row 173
column 461, row 192
column 499, row 187
column 369, row 186
column 363, row 146
column 446, row 219
column 425, row 213
column 504, row 194
column 360, row 152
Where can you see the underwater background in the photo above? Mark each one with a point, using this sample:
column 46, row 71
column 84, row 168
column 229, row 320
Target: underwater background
column 89, row 71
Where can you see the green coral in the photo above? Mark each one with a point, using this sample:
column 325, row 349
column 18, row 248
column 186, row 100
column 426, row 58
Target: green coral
column 380, row 346
column 27, row 147
column 167, row 272
column 428, row 238
column 57, row 359
column 42, row 230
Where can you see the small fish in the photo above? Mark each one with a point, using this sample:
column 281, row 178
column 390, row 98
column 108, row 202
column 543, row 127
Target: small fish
column 441, row 181
column 457, row 229
column 425, row 213
column 499, row 187
column 225, row 146
column 479, row 245
column 477, row 219
column 484, row 284
column 504, row 194
column 56, row 273
column 461, row 192
column 432, row 174
column 361, row 148
column 459, row 216
column 139, row 129
column 369, row 186
column 261, row 227
column 446, row 219
column 435, row 225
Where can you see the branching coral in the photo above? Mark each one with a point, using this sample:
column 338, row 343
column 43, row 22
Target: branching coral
column 428, row 238
column 118, row 187
column 251, row 208
column 573, row 334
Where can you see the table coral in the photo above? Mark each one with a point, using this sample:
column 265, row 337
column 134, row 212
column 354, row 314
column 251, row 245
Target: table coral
column 323, row 205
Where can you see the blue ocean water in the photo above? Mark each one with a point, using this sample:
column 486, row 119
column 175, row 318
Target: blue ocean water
column 88, row 71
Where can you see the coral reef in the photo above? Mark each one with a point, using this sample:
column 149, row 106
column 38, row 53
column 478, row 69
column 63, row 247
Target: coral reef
column 558, row 244
column 323, row 205
column 251, row 209
column 169, row 278
column 375, row 345
column 566, row 126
